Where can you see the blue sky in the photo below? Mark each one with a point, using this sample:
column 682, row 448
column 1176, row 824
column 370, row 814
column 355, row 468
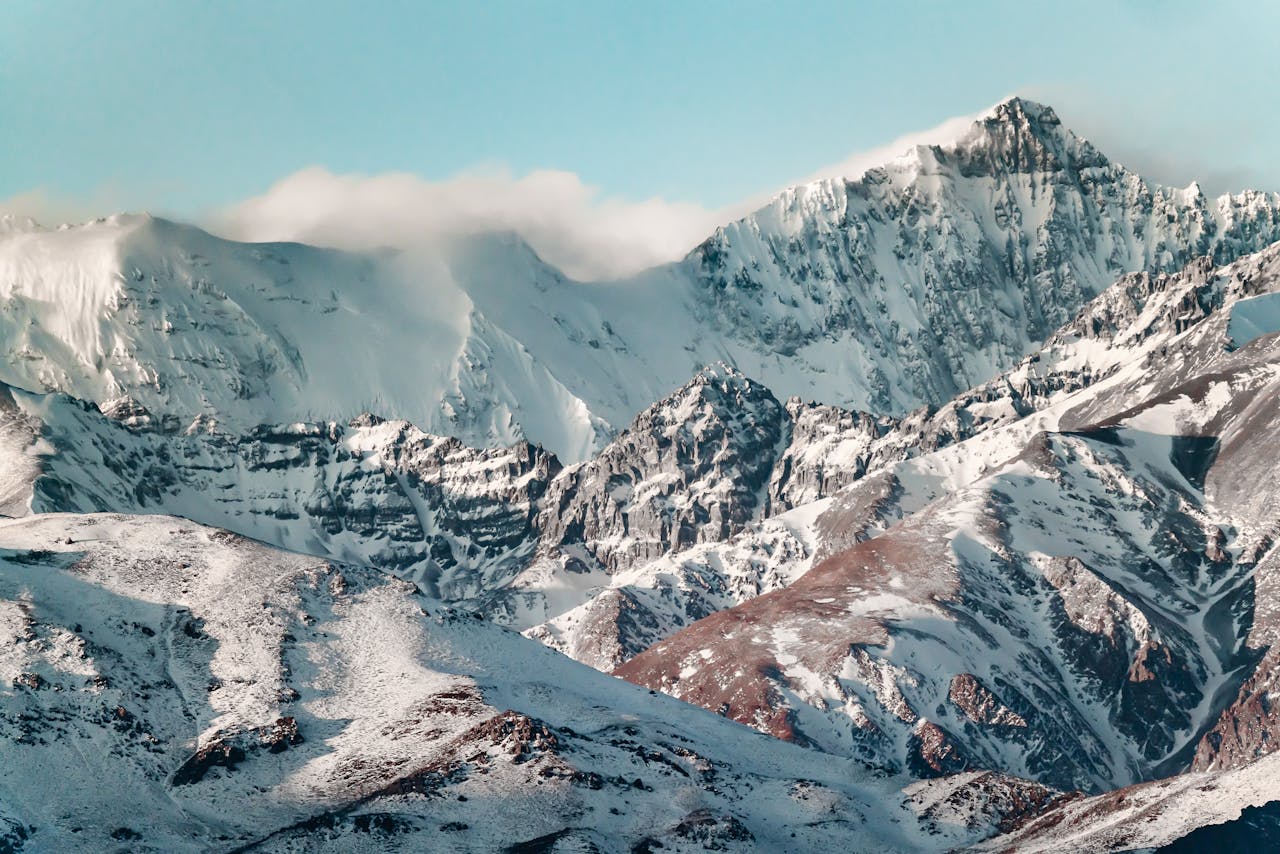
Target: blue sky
column 187, row 107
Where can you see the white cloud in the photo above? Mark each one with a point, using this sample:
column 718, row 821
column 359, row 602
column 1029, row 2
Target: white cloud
column 569, row 223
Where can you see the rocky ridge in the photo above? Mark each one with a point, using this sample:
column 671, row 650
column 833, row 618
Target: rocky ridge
column 241, row 698
column 1123, row 533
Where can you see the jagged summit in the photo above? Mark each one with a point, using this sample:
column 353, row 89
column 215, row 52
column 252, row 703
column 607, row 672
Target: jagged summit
column 920, row 277
column 723, row 375
column 1012, row 125
column 1015, row 107
column 1007, row 130
column 1023, row 114
column 1023, row 136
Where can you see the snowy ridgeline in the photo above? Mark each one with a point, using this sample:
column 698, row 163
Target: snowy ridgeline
column 1024, row 533
column 903, row 286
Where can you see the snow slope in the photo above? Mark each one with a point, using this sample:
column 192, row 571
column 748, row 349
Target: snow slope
column 169, row 687
column 164, row 316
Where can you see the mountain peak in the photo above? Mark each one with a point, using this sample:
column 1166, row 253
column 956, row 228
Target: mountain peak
column 719, row 389
column 720, row 382
column 1017, row 110
column 1019, row 135
column 719, row 371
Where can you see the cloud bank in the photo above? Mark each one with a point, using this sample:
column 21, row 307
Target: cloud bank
column 859, row 162
column 569, row 223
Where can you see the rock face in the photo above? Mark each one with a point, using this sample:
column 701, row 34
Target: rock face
column 936, row 271
column 691, row 469
column 382, row 493
column 980, row 705
column 829, row 448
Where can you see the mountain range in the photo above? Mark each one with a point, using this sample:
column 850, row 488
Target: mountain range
column 929, row 508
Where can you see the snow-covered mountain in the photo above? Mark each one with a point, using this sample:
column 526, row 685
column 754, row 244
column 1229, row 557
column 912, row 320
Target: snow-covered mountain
column 675, row 519
column 711, row 499
column 1103, row 562
column 934, row 273
column 900, row 287
column 957, row 474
